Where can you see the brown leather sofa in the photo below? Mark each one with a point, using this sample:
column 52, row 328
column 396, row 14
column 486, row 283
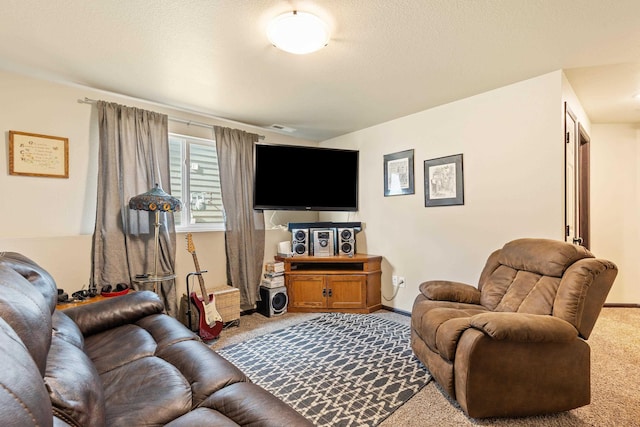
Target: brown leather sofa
column 119, row 362
column 516, row 344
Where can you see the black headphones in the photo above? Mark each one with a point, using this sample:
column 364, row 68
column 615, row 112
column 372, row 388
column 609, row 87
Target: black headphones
column 107, row 289
column 81, row 295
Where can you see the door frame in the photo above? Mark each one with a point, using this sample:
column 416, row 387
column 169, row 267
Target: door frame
column 580, row 211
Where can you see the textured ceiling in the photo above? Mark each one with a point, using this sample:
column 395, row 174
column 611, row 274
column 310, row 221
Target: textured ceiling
column 385, row 59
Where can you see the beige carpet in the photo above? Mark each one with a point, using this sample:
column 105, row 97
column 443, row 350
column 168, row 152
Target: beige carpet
column 615, row 376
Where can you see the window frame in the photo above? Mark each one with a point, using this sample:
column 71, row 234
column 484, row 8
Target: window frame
column 185, row 161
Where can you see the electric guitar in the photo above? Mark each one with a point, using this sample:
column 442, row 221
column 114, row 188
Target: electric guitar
column 210, row 324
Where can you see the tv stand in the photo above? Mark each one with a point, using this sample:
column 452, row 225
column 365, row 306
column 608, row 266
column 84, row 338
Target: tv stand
column 333, row 284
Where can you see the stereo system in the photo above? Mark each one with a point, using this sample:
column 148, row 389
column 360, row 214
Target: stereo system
column 324, row 238
column 273, row 301
column 323, row 242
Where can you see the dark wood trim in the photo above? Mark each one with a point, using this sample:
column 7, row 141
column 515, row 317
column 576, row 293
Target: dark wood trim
column 567, row 112
column 622, row 305
column 584, row 186
column 397, row 310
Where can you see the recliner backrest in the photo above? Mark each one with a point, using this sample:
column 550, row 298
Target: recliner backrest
column 542, row 276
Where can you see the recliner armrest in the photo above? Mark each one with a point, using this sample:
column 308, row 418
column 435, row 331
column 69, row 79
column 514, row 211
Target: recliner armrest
column 116, row 311
column 444, row 290
column 522, row 327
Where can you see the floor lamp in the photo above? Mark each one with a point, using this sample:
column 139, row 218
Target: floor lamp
column 155, row 200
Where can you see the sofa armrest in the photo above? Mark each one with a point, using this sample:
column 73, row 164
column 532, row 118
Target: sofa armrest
column 522, row 327
column 444, row 290
column 113, row 312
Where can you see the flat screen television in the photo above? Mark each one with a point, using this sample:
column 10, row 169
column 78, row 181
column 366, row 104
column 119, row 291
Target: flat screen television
column 288, row 177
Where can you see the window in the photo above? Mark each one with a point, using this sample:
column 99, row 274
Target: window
column 195, row 180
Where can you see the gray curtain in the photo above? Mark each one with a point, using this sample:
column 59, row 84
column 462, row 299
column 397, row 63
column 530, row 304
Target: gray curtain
column 244, row 236
column 133, row 157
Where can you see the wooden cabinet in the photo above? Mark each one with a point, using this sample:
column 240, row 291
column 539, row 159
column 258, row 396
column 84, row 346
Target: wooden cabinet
column 338, row 283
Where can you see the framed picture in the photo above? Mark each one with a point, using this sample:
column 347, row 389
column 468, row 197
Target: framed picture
column 443, row 181
column 398, row 173
column 31, row 154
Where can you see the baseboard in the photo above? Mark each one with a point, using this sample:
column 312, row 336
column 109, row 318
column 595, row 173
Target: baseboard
column 622, row 305
column 397, row 310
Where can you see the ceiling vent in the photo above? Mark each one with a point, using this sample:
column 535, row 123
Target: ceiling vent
column 282, row 128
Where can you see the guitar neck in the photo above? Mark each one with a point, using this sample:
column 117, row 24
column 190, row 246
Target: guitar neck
column 203, row 289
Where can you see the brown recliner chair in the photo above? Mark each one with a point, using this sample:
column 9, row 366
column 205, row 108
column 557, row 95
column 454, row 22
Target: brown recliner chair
column 515, row 345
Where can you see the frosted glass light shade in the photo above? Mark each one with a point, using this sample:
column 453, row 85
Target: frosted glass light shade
column 298, row 32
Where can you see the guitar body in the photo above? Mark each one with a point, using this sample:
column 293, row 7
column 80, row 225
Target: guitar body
column 210, row 324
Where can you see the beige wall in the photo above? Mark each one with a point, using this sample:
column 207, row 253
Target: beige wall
column 51, row 220
column 615, row 198
column 615, row 205
column 513, row 170
column 511, row 139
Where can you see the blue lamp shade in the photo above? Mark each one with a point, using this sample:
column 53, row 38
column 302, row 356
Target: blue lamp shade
column 155, row 200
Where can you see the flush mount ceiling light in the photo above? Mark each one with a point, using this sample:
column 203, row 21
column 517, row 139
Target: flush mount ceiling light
column 298, row 32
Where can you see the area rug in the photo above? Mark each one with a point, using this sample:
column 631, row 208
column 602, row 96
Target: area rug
column 336, row 370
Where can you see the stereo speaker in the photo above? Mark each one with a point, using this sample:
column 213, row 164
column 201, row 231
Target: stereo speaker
column 346, row 241
column 273, row 301
column 300, row 242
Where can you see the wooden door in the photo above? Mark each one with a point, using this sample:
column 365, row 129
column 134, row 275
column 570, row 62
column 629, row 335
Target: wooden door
column 584, row 187
column 306, row 291
column 347, row 291
column 570, row 174
column 577, row 182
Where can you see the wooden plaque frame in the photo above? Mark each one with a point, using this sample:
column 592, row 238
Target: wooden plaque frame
column 32, row 154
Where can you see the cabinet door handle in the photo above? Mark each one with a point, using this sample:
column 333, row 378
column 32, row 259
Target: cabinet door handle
column 324, row 292
column 330, row 292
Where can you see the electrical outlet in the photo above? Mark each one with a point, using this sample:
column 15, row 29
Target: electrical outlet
column 398, row 281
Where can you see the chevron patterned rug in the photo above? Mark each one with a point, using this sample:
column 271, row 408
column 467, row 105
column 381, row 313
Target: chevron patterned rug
column 336, row 370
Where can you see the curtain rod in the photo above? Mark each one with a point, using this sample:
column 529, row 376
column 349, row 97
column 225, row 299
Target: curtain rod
column 176, row 119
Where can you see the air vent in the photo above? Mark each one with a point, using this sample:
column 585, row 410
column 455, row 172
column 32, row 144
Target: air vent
column 282, row 128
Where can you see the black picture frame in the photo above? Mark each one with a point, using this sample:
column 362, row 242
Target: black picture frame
column 398, row 173
column 444, row 181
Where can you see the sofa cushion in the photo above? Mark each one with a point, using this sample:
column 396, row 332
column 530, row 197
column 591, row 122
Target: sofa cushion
column 541, row 256
column 26, row 311
column 206, row 371
column 64, row 328
column 23, row 397
column 245, row 404
column 74, row 385
column 582, row 293
column 520, row 327
column 441, row 329
column 203, row 417
column 119, row 346
column 37, row 277
column 521, row 291
column 444, row 290
column 148, row 391
column 524, row 275
column 113, row 312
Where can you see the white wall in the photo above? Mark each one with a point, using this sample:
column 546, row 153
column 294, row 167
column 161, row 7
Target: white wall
column 51, row 220
column 570, row 97
column 511, row 141
column 615, row 197
column 513, row 170
column 615, row 205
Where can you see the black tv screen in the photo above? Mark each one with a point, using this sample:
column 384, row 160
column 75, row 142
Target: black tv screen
column 305, row 178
